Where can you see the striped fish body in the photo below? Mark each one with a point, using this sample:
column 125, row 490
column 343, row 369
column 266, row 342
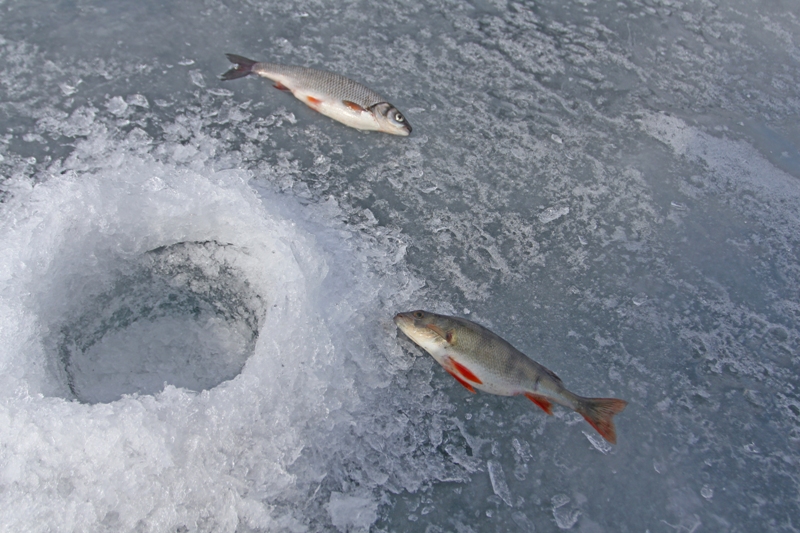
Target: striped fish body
column 479, row 359
column 331, row 94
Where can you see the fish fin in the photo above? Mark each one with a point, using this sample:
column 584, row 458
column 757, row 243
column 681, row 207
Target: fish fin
column 461, row 380
column 281, row 87
column 599, row 413
column 354, row 106
column 541, row 401
column 243, row 67
column 466, row 372
column 436, row 329
column 313, row 101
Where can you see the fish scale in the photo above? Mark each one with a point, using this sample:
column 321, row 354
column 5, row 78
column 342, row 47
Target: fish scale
column 335, row 85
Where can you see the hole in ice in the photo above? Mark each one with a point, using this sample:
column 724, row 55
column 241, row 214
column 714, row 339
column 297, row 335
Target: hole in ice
column 182, row 314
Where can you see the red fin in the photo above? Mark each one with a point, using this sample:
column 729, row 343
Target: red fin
column 466, row 372
column 281, row 87
column 599, row 413
column 458, row 378
column 541, row 401
column 313, row 101
column 352, row 105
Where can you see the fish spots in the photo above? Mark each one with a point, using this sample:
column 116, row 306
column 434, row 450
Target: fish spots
column 541, row 401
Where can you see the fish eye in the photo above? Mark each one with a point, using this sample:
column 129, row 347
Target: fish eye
column 399, row 118
column 418, row 314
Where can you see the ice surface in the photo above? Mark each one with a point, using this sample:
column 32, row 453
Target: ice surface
column 352, row 513
column 197, row 277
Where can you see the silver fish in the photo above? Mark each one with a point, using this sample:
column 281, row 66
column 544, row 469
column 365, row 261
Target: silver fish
column 479, row 359
column 331, row 94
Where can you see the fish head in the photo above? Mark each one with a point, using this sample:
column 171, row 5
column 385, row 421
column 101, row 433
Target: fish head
column 430, row 331
column 390, row 120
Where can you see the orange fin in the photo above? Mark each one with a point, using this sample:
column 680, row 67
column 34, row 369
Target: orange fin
column 599, row 413
column 460, row 380
column 281, row 87
column 313, row 101
column 352, row 105
column 541, row 401
column 466, row 372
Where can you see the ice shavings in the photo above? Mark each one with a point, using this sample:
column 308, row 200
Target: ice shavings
column 112, row 320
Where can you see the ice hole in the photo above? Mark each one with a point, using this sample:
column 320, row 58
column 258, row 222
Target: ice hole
column 183, row 315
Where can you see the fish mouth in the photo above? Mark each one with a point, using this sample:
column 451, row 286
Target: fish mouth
column 401, row 319
column 405, row 322
column 402, row 131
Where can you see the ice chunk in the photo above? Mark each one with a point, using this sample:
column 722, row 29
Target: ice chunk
column 117, row 106
column 139, row 100
column 197, row 78
column 352, row 513
column 598, row 443
column 498, row 479
column 553, row 213
column 565, row 517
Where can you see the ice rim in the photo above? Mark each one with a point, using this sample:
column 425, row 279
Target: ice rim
column 90, row 248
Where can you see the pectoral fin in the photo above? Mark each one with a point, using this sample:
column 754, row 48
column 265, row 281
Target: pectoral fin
column 354, row 106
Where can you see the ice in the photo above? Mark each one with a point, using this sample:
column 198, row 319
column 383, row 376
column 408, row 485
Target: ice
column 553, row 213
column 352, row 513
column 117, row 106
column 498, row 479
column 597, row 442
column 565, row 517
column 138, row 100
column 612, row 187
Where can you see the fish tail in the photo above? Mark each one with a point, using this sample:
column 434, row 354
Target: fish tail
column 243, row 67
column 599, row 413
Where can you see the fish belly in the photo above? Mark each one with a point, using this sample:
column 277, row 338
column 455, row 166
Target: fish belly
column 337, row 110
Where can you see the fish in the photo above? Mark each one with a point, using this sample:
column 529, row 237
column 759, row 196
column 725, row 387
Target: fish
column 479, row 359
column 331, row 94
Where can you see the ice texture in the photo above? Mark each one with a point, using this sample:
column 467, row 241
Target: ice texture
column 197, row 277
column 498, row 479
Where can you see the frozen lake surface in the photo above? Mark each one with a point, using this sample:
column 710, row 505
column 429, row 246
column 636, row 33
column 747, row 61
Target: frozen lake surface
column 198, row 278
